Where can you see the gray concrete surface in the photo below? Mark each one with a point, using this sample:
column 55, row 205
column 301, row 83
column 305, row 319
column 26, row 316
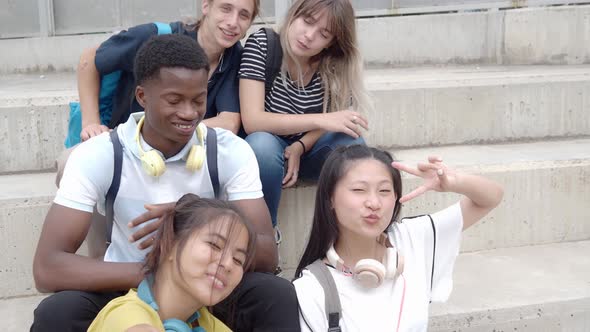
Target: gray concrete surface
column 534, row 288
column 518, row 36
column 17, row 313
column 413, row 107
column 546, row 195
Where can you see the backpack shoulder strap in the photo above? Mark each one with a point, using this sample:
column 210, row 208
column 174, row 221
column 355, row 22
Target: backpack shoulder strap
column 163, row 28
column 114, row 188
column 274, row 58
column 212, row 159
column 333, row 307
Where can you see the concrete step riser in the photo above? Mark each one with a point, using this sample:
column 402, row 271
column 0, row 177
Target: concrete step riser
column 33, row 135
column 477, row 114
column 496, row 37
column 543, row 203
column 571, row 316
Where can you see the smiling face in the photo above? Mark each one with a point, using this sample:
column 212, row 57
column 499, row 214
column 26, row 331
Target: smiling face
column 309, row 34
column 175, row 103
column 364, row 199
column 211, row 263
column 227, row 20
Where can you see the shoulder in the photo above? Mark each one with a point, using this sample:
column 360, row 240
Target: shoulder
column 308, row 285
column 311, row 297
column 95, row 153
column 210, row 322
column 136, row 33
column 231, row 146
column 258, row 37
column 124, row 312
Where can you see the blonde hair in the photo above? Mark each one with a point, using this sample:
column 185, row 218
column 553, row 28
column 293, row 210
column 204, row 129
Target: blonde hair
column 340, row 64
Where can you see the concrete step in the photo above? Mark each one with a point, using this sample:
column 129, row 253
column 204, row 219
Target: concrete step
column 516, row 36
column 545, row 201
column 531, row 288
column 414, row 107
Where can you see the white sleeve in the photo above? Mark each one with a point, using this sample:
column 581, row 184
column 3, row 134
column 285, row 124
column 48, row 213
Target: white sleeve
column 239, row 176
column 312, row 312
column 448, row 225
column 87, row 175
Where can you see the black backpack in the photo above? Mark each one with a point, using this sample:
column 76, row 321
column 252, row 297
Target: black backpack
column 274, row 58
column 118, row 164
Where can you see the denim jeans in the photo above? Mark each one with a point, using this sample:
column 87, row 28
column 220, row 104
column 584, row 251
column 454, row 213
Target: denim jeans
column 269, row 150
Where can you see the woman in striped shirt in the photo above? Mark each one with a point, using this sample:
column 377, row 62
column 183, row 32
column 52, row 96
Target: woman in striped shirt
column 313, row 105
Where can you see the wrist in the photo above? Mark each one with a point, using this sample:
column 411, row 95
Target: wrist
column 301, row 145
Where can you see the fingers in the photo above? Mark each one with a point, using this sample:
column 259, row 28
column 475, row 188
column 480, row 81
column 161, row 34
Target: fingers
column 405, row 168
column 415, row 193
column 426, row 167
column 144, row 231
column 434, row 159
column 148, row 242
column 92, row 130
column 359, row 119
column 290, row 177
column 153, row 211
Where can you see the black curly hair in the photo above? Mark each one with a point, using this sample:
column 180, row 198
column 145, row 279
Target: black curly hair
column 167, row 51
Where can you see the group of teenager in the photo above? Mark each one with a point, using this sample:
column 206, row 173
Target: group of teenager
column 192, row 245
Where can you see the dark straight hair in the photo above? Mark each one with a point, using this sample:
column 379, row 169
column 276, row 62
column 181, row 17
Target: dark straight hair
column 324, row 230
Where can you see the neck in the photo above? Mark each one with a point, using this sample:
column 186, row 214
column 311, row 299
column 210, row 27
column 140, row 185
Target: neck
column 167, row 147
column 306, row 67
column 173, row 300
column 352, row 247
column 207, row 42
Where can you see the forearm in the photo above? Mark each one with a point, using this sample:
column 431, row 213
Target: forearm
column 483, row 192
column 266, row 258
column 61, row 271
column 255, row 118
column 481, row 196
column 225, row 120
column 310, row 138
column 281, row 124
column 88, row 87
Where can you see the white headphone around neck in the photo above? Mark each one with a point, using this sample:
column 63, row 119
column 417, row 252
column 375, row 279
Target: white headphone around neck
column 369, row 272
column 153, row 163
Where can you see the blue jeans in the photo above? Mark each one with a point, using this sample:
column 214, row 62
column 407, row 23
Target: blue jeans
column 269, row 150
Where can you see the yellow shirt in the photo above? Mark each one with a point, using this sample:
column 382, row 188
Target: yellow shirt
column 129, row 310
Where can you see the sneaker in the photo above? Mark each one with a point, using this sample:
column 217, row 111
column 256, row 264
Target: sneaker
column 278, row 235
column 278, row 239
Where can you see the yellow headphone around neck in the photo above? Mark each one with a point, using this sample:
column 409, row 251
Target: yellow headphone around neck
column 153, row 163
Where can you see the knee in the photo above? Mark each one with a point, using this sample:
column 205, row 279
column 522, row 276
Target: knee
column 271, row 289
column 339, row 139
column 54, row 311
column 266, row 147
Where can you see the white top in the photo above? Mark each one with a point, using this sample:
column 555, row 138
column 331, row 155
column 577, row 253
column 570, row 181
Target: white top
column 378, row 309
column 89, row 172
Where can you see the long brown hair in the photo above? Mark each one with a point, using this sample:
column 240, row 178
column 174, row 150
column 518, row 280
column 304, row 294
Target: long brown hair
column 340, row 64
column 190, row 215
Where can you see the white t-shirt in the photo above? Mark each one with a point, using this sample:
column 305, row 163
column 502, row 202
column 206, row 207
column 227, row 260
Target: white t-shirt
column 89, row 172
column 378, row 309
